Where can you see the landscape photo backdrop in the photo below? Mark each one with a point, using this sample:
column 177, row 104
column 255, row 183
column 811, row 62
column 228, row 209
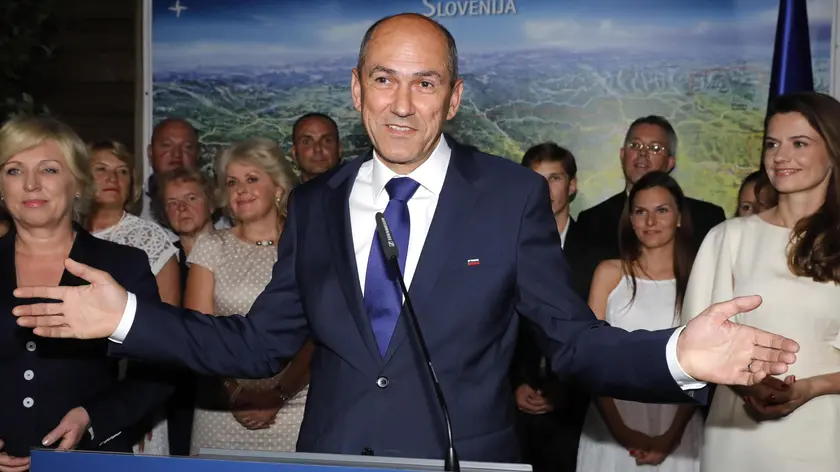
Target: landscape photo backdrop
column 576, row 72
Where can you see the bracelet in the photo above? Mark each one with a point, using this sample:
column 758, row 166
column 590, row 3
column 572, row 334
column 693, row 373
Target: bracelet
column 284, row 397
column 236, row 391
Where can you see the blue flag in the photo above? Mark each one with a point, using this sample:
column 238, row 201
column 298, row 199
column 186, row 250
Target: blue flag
column 792, row 53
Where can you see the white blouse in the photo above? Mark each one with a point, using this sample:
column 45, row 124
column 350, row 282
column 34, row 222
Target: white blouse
column 141, row 234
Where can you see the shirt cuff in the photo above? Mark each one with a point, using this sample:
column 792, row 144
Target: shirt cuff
column 685, row 381
column 126, row 321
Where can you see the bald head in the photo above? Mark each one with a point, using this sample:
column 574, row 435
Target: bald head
column 174, row 145
column 425, row 27
column 406, row 87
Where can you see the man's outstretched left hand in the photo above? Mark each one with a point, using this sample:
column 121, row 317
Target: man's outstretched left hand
column 713, row 349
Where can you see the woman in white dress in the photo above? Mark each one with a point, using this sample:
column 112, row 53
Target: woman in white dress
column 790, row 255
column 644, row 290
column 229, row 268
column 118, row 186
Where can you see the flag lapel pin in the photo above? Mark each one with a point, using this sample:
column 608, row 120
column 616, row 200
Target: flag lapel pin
column 473, row 262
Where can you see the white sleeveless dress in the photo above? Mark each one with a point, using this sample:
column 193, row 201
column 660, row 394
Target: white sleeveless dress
column 652, row 309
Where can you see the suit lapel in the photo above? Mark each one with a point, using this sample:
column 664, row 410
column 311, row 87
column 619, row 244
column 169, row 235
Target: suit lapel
column 337, row 213
column 79, row 252
column 571, row 234
column 8, row 275
column 457, row 198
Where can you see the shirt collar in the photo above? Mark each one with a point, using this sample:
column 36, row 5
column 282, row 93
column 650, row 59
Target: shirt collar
column 430, row 175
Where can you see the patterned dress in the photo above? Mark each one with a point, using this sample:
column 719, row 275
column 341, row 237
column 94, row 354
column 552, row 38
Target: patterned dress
column 241, row 271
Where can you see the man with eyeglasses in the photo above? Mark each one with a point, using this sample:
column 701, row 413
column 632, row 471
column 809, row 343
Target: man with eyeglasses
column 650, row 145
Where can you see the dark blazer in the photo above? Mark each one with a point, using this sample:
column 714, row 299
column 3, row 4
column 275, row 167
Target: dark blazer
column 362, row 403
column 600, row 223
column 45, row 378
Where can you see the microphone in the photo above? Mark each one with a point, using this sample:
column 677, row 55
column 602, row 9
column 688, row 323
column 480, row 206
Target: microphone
column 391, row 251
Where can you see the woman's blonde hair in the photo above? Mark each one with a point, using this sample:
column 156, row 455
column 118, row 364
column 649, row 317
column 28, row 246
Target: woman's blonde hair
column 121, row 152
column 23, row 133
column 265, row 154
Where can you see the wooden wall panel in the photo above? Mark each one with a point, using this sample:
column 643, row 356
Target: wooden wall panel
column 92, row 81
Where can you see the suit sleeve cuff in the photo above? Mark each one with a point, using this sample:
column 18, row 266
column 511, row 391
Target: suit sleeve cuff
column 126, row 321
column 685, row 381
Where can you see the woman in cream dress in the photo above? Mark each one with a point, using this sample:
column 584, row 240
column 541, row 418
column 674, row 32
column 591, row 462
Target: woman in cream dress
column 790, row 255
column 229, row 268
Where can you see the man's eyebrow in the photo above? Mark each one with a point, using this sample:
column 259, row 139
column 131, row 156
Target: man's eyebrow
column 386, row 70
column 422, row 73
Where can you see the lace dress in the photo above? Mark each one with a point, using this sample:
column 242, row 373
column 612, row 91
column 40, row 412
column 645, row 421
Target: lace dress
column 152, row 239
column 652, row 309
column 241, row 271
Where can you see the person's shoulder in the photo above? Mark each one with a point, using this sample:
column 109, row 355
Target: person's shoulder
column 149, row 231
column 704, row 206
column 214, row 239
column 500, row 168
column 609, row 267
column 733, row 228
column 600, row 207
column 112, row 257
column 608, row 273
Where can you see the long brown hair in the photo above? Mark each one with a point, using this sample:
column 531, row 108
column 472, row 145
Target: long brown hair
column 814, row 249
column 685, row 247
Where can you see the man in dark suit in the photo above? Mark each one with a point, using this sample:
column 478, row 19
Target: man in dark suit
column 649, row 145
column 551, row 411
column 475, row 258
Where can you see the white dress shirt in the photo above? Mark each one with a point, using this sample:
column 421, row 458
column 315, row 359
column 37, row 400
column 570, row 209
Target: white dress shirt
column 369, row 197
column 565, row 231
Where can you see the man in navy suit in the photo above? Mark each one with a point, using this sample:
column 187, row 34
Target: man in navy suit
column 479, row 247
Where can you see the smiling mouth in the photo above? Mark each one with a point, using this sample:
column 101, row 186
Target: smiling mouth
column 400, row 129
column 785, row 172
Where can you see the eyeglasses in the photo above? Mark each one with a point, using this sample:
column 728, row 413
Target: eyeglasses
column 653, row 148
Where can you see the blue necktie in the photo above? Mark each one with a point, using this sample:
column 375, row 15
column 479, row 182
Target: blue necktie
column 383, row 297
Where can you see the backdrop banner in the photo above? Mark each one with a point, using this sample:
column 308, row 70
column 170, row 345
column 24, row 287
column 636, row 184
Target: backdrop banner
column 576, row 72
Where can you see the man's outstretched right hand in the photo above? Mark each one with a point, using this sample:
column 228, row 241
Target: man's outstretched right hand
column 84, row 312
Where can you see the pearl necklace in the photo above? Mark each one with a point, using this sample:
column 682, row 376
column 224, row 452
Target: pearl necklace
column 267, row 242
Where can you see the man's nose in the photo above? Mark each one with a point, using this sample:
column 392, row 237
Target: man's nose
column 402, row 106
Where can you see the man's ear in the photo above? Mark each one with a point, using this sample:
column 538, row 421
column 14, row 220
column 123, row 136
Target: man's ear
column 356, row 89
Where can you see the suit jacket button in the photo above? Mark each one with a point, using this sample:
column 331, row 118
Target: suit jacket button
column 367, row 451
column 382, row 382
column 28, row 402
